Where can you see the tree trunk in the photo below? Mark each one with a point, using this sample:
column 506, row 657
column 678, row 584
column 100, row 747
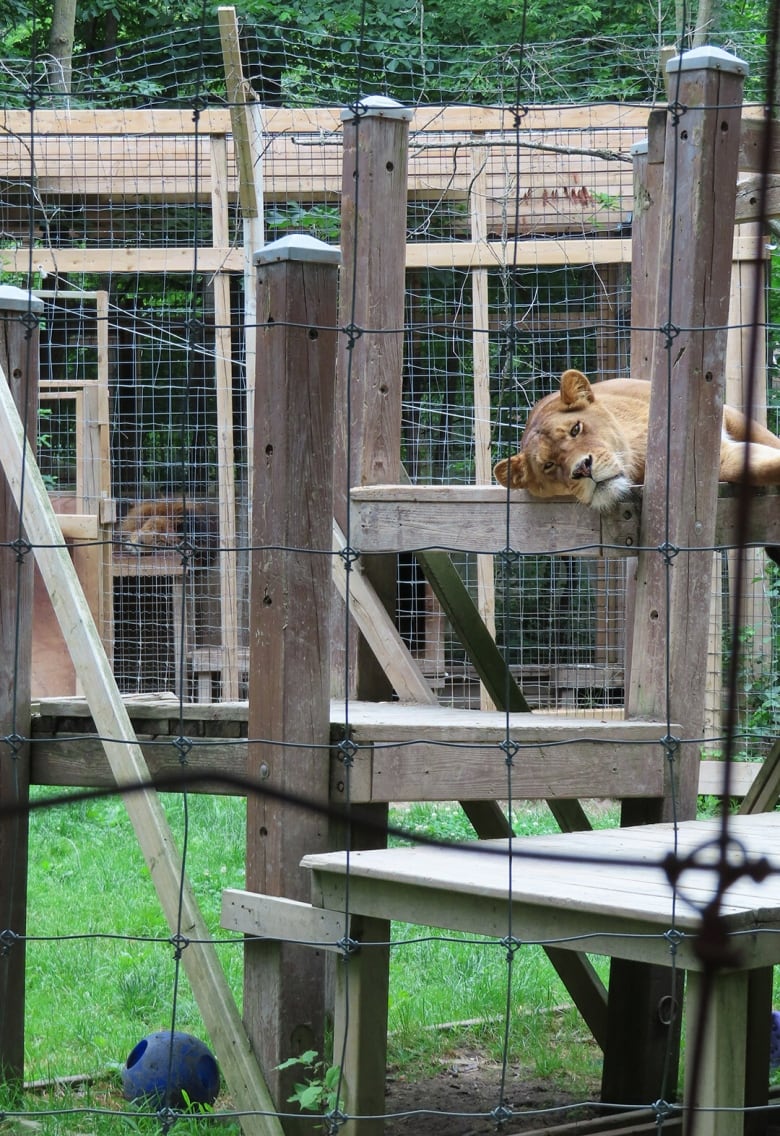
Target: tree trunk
column 60, row 46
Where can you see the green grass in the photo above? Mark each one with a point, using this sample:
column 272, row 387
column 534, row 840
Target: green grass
column 89, row 1000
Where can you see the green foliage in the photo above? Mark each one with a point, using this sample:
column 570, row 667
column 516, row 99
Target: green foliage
column 311, row 51
column 319, row 1092
column 321, row 221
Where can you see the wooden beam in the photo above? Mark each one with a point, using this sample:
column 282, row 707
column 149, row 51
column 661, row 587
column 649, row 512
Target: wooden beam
column 276, row 917
column 483, row 517
column 290, row 630
column 226, row 464
column 483, row 416
column 450, row 255
column 313, row 120
column 467, row 517
column 200, row 961
column 378, row 629
column 19, row 359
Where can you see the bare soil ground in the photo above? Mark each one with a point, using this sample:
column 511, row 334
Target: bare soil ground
column 469, row 1084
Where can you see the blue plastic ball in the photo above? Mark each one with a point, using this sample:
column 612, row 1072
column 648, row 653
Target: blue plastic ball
column 774, row 1041
column 159, row 1076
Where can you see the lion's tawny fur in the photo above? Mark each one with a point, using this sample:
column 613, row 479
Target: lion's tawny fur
column 590, row 442
column 164, row 523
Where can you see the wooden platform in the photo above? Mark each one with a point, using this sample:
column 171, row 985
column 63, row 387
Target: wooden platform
column 469, row 518
column 406, row 755
column 605, row 892
column 406, row 752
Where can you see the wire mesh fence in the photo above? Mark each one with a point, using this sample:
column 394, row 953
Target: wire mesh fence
column 518, row 267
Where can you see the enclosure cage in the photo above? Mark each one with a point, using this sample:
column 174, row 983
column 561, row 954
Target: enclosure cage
column 129, row 224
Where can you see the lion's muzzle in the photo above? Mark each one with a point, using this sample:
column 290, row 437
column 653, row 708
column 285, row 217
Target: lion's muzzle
column 583, row 468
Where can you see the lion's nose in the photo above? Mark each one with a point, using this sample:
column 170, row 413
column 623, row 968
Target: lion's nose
column 583, row 468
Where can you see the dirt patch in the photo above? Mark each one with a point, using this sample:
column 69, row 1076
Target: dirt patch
column 450, row 1103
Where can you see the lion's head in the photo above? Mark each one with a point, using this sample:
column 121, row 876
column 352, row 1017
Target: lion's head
column 582, row 442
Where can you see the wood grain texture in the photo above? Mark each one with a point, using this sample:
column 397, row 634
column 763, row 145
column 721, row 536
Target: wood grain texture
column 669, row 645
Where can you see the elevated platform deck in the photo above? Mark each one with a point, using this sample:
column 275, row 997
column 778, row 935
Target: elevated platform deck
column 471, row 518
column 405, row 752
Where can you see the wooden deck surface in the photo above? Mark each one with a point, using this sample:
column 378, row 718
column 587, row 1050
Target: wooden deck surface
column 402, row 518
column 571, row 886
column 407, row 752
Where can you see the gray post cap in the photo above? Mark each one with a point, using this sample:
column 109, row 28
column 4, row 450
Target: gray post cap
column 638, row 148
column 298, row 246
column 13, row 299
column 707, row 58
column 379, row 106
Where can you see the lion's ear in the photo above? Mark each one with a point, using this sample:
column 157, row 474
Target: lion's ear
column 576, row 391
column 511, row 471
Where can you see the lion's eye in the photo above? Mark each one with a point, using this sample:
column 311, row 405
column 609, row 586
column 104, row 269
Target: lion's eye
column 576, row 429
column 548, row 467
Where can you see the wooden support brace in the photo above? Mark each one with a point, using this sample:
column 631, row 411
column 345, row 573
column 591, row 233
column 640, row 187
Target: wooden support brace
column 275, row 917
column 209, row 985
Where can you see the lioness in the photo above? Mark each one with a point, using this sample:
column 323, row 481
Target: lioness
column 163, row 523
column 591, row 442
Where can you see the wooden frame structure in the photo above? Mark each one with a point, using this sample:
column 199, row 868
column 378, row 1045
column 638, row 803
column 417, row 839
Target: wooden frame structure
column 286, row 282
column 685, row 511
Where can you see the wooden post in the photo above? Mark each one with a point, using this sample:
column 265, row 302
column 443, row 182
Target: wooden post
column 289, row 631
column 370, row 359
column 223, row 386
column 246, row 120
column 19, row 340
column 681, row 481
column 483, row 464
column 645, row 234
column 747, row 297
column 673, row 590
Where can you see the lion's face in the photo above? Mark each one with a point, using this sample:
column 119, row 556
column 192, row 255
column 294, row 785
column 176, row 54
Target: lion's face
column 574, row 445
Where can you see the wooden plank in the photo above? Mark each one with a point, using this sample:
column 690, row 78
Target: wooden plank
column 81, row 762
column 121, row 260
column 454, row 255
column 469, row 518
column 483, row 463
column 276, row 917
column 749, row 198
column 474, row 518
column 569, row 772
column 226, row 465
column 78, row 526
column 246, row 119
column 209, row 986
column 712, row 778
column 615, row 872
column 439, row 119
column 239, row 95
